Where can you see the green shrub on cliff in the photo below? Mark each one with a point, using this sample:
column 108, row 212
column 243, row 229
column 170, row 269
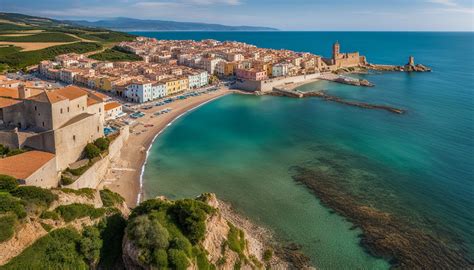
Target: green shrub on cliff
column 7, row 226
column 91, row 151
column 10, row 204
column 110, row 198
column 7, row 183
column 102, row 144
column 191, row 216
column 35, row 195
column 90, row 244
column 74, row 211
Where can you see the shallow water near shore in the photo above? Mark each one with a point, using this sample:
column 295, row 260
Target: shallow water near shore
column 418, row 166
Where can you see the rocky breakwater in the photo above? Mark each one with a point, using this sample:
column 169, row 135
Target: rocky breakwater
column 409, row 67
column 353, row 81
column 385, row 235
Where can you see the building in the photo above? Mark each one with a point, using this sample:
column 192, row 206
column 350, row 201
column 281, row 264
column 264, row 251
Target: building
column 34, row 168
column 251, row 74
column 279, row 70
column 343, row 60
column 113, row 110
column 60, row 121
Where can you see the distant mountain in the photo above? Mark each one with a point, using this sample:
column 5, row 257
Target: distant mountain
column 129, row 24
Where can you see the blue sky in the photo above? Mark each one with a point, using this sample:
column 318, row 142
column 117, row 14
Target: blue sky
column 326, row 15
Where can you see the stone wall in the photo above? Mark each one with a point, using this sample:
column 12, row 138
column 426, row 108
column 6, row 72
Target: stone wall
column 95, row 174
column 268, row 85
column 46, row 177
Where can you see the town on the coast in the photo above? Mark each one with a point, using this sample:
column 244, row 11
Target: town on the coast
column 54, row 125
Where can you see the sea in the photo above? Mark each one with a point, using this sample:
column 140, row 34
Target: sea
column 417, row 166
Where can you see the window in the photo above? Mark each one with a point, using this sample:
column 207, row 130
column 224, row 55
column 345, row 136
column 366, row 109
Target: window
column 98, row 129
column 43, row 124
column 74, row 137
column 35, row 108
column 67, row 109
column 61, row 110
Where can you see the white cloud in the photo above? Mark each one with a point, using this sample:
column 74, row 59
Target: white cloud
column 449, row 3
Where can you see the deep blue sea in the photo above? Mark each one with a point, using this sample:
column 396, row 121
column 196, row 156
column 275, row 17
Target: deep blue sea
column 418, row 165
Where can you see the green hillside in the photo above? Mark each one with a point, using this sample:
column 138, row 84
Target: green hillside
column 18, row 29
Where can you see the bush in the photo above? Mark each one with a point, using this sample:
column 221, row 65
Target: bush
column 90, row 244
column 7, row 183
column 178, row 259
column 15, row 152
column 92, row 151
column 267, row 255
column 10, row 204
column 74, row 211
column 79, row 171
column 66, row 180
column 35, row 195
column 7, row 227
column 3, row 149
column 110, row 198
column 49, row 215
column 102, row 143
column 46, row 227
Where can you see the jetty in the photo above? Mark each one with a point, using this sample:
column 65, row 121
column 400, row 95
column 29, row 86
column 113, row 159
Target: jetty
column 282, row 92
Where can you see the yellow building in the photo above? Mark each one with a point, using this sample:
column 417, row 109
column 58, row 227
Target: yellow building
column 176, row 85
column 229, row 68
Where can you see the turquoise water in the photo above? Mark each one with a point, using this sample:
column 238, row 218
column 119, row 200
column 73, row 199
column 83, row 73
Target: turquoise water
column 418, row 166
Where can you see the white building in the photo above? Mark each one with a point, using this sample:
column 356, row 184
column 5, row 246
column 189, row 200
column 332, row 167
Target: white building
column 113, row 110
column 145, row 91
column 279, row 70
column 198, row 79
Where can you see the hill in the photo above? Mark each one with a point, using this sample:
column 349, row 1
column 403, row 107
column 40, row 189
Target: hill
column 26, row 40
column 130, row 24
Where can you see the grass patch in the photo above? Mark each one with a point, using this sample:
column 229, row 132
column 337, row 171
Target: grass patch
column 66, row 180
column 110, row 198
column 74, row 211
column 236, row 239
column 9, row 49
column 56, row 250
column 7, row 227
column 115, row 55
column 41, row 37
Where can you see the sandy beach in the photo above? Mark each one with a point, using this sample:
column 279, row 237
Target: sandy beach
column 124, row 174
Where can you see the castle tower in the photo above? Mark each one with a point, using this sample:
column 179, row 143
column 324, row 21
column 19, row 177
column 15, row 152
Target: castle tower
column 336, row 50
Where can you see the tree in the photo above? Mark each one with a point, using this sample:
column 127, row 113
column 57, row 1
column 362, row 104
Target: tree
column 102, row 143
column 90, row 245
column 92, row 151
column 178, row 259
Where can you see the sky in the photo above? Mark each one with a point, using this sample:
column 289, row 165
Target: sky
column 317, row 15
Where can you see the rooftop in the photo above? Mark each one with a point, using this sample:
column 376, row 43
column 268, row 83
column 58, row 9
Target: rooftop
column 24, row 165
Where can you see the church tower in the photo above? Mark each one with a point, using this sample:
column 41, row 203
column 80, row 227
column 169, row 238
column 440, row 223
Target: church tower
column 336, row 50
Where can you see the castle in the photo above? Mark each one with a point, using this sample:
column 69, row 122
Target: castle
column 344, row 60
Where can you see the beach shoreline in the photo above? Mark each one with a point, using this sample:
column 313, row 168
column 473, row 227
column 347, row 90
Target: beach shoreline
column 125, row 174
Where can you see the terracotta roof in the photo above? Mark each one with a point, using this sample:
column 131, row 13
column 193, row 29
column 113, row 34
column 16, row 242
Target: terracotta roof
column 69, row 92
column 9, row 92
column 112, row 105
column 24, row 165
column 5, row 102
